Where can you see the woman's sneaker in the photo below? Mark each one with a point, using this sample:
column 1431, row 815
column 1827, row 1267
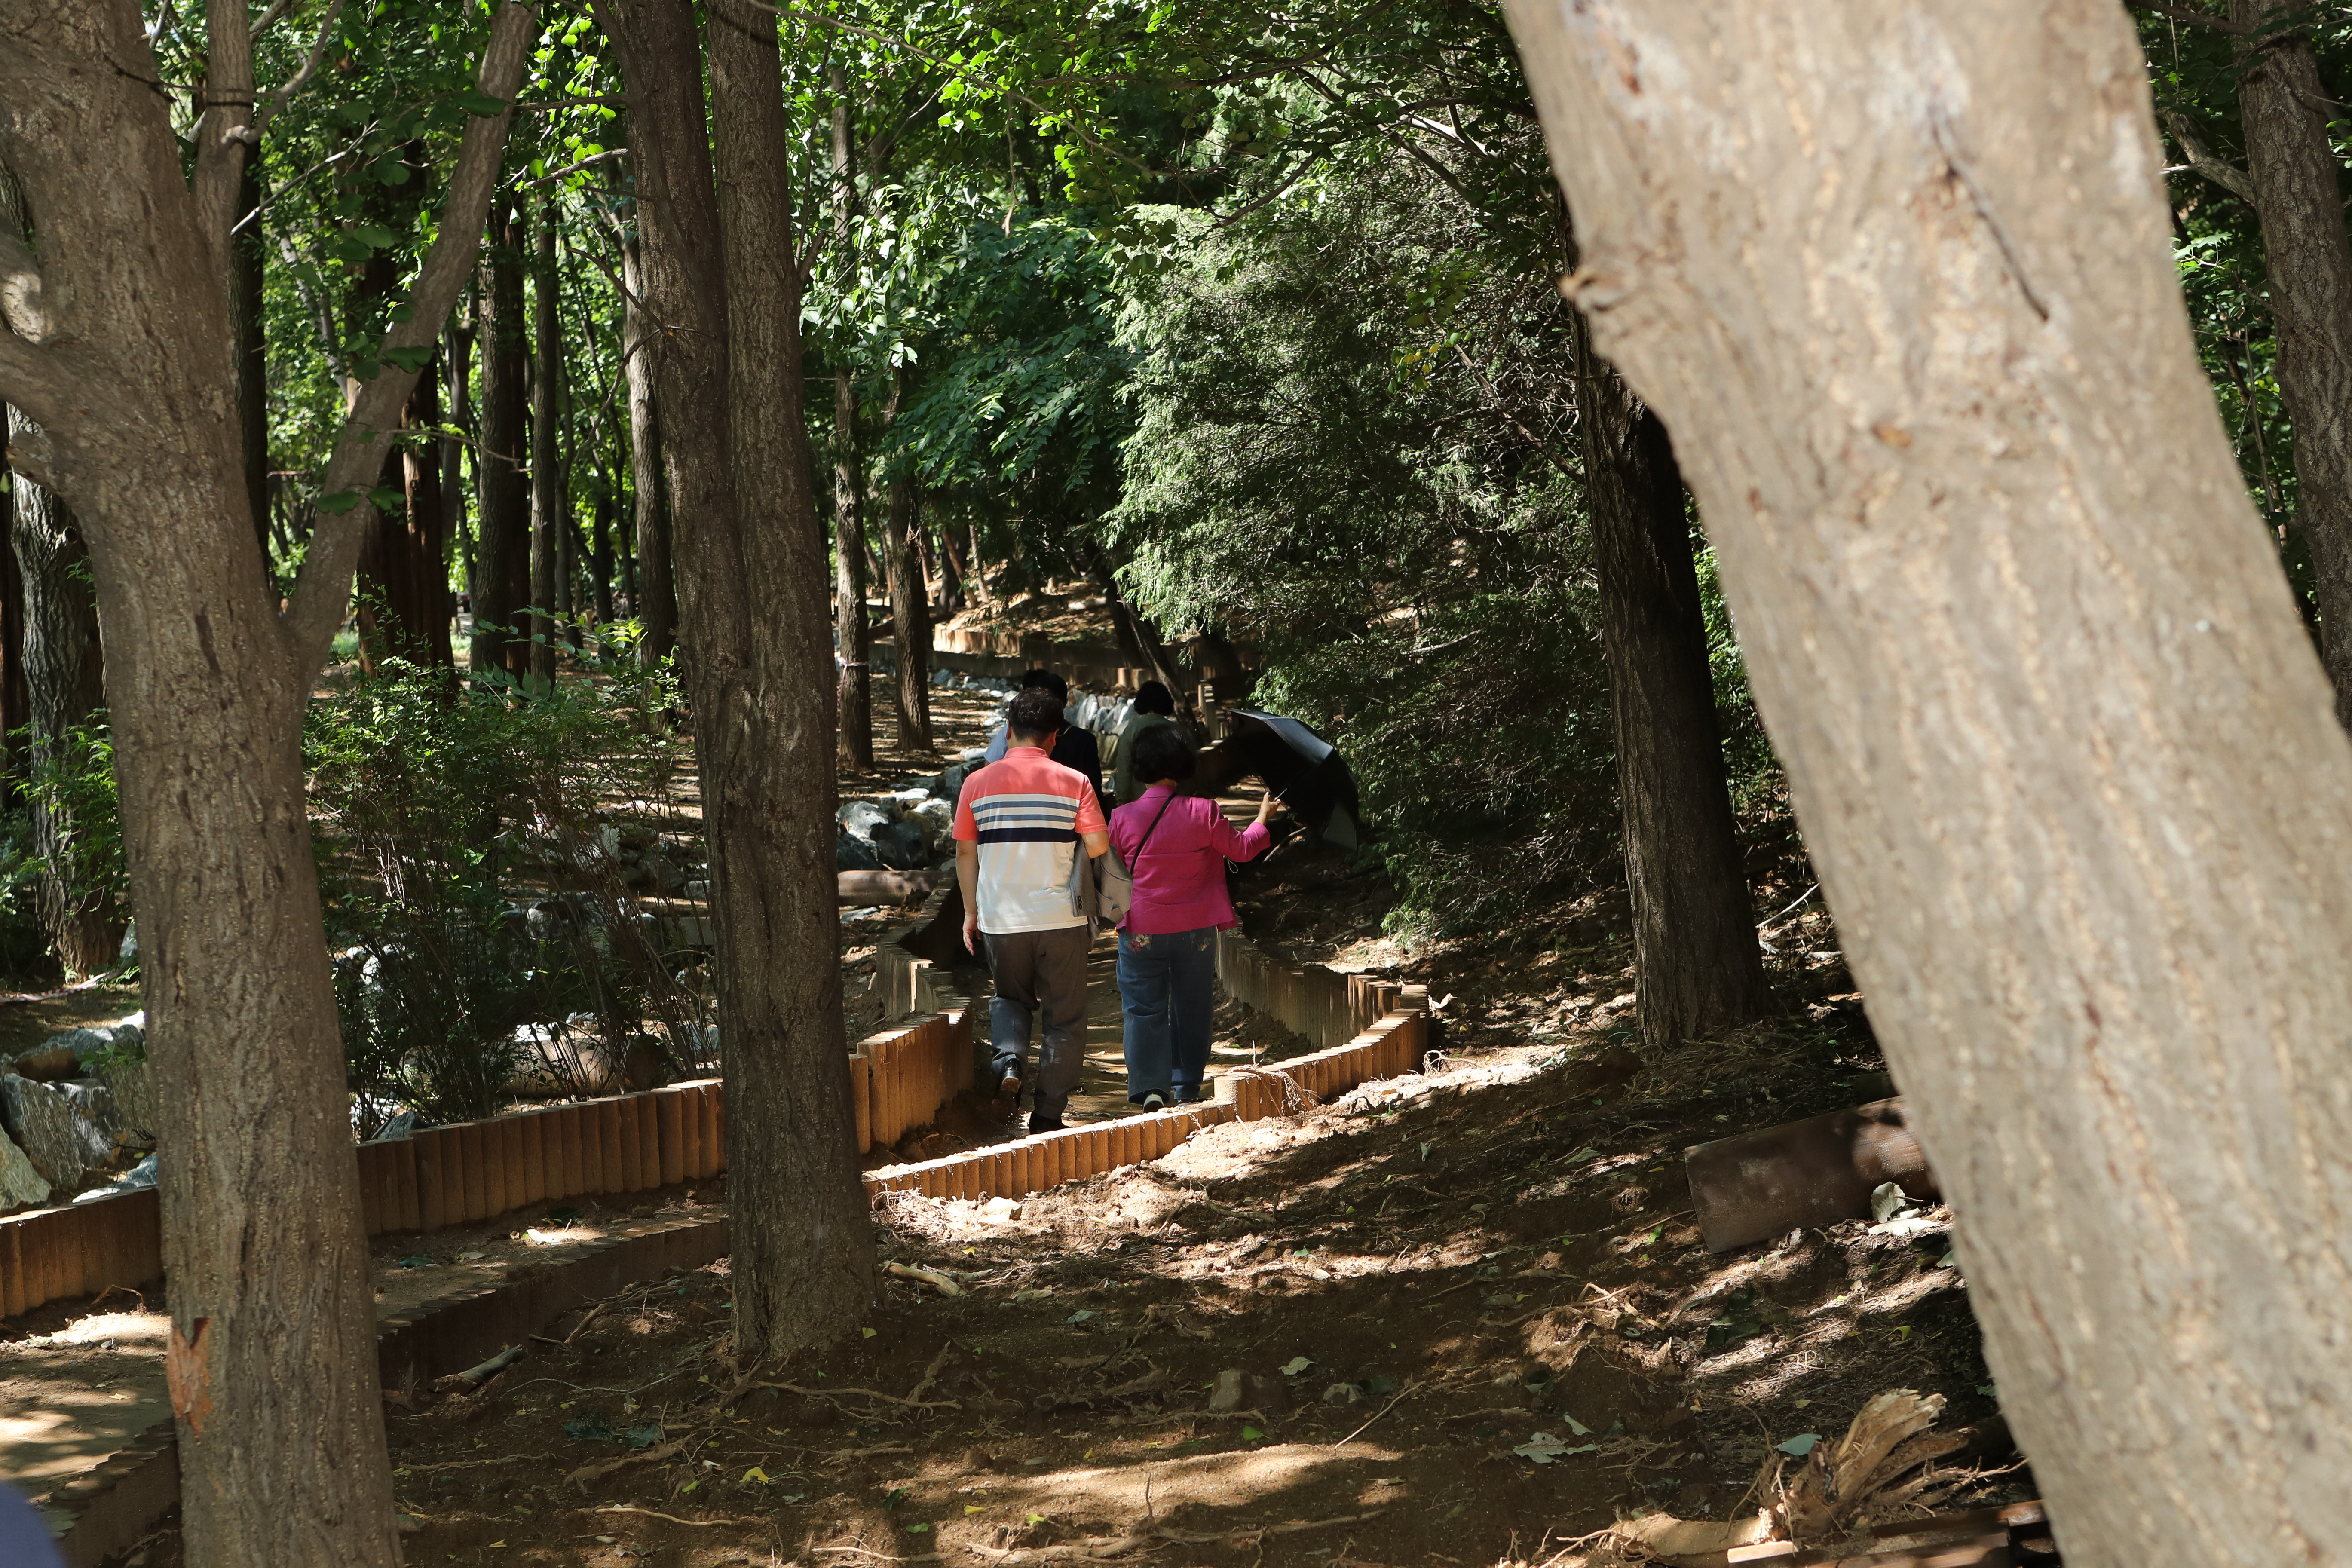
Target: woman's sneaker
column 1153, row 1103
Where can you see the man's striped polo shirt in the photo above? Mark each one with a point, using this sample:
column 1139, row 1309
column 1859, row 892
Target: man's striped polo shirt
column 1026, row 814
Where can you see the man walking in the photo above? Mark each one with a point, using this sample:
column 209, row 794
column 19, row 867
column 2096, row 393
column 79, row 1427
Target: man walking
column 1020, row 827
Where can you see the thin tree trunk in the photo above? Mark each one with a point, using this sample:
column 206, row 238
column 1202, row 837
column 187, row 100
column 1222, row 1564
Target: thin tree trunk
column 1698, row 968
column 546, row 461
column 910, row 607
column 600, row 552
column 502, row 537
column 457, row 364
column 653, row 593
column 721, row 274
column 64, row 667
column 856, row 699
column 2290, row 162
column 953, row 577
column 15, row 700
column 1899, row 279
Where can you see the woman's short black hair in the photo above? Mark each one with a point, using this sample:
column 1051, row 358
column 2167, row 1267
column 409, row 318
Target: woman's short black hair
column 1164, row 754
column 1152, row 697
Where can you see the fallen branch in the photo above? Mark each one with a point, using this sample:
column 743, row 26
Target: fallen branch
column 931, row 1277
column 1117, row 1546
column 586, row 1473
column 911, row 1404
column 1383, row 1410
column 650, row 1513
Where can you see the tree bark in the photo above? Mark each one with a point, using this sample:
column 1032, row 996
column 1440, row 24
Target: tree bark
column 911, row 606
column 64, row 668
column 855, row 698
column 546, row 465
column 2291, row 164
column 272, row 1358
column 720, row 272
column 404, row 610
column 1899, row 281
column 1697, row 970
column 653, row 593
column 246, row 316
column 503, row 532
column 456, row 365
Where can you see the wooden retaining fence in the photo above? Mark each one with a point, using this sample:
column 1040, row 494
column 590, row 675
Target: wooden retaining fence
column 900, row 1079
column 1328, row 1005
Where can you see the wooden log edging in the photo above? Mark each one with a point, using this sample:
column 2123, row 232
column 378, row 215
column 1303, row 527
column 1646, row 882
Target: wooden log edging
column 1392, row 1044
column 1328, row 1005
column 108, row 1509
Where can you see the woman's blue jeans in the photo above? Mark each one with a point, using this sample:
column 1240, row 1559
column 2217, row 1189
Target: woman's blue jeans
column 1167, row 992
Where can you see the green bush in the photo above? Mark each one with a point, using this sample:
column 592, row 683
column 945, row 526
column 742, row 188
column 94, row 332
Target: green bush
column 444, row 814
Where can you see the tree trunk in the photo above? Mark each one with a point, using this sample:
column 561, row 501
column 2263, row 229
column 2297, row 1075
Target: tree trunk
column 855, row 698
column 64, row 669
column 1697, row 969
column 502, row 570
column 246, row 314
column 953, row 577
column 1899, row 281
column 271, row 1354
column 2291, row 164
column 910, row 607
column 653, row 593
column 600, row 552
column 457, row 364
column 546, row 465
column 751, row 582
column 404, row 611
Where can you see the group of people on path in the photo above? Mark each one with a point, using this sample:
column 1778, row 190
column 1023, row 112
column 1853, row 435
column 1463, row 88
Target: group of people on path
column 1030, row 826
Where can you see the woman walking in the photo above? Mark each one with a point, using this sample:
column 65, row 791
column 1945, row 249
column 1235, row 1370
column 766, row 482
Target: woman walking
column 1175, row 847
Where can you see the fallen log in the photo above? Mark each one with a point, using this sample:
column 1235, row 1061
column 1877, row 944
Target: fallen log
column 884, row 887
column 1803, row 1174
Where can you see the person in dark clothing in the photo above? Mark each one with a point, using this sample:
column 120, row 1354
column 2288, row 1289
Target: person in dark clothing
column 1075, row 748
column 1155, row 708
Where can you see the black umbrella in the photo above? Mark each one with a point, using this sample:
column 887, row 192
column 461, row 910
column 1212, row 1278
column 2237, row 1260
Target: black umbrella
column 1298, row 765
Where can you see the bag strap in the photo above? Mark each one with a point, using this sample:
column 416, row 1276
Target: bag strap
column 1155, row 825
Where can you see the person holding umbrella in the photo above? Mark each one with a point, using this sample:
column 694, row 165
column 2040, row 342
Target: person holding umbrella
column 1175, row 847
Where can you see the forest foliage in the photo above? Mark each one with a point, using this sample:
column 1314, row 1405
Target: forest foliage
column 1256, row 311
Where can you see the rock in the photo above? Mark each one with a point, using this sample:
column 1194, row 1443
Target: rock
column 404, row 1125
column 902, row 847
column 128, row 951
column 139, row 1178
column 975, row 756
column 662, row 876
column 1227, row 1395
column 20, row 1184
column 101, row 1130
column 934, row 818
column 699, row 888
column 1342, row 1394
column 854, row 854
column 859, row 818
column 44, row 1124
column 133, row 1087
column 1271, row 1394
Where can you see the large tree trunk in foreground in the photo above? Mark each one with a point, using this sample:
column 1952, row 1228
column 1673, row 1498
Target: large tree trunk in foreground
column 751, row 586
column 2291, row 162
column 246, row 316
column 1899, row 280
column 1697, row 970
column 65, row 684
column 502, row 567
column 653, row 596
column 271, row 1359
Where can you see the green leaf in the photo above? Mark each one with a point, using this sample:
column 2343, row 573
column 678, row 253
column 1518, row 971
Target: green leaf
column 482, row 104
column 384, row 498
column 919, row 1530
column 339, row 503
column 411, row 360
column 1251, row 1433
column 1800, row 1444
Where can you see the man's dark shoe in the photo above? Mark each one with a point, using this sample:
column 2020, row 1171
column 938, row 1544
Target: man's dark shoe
column 1040, row 1123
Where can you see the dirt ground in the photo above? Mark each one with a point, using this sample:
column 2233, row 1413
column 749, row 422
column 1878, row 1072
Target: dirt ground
column 1411, row 1287
column 1461, row 1318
